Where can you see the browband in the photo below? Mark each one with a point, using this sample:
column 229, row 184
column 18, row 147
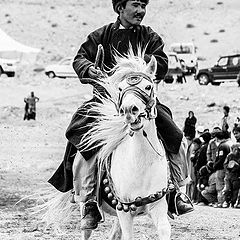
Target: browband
column 136, row 77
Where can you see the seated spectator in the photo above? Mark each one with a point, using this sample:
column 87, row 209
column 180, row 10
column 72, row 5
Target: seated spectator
column 210, row 192
column 232, row 177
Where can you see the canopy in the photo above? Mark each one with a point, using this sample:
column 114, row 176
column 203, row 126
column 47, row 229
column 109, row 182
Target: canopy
column 10, row 48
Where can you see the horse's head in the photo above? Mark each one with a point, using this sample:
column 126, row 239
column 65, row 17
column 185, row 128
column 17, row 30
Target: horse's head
column 136, row 102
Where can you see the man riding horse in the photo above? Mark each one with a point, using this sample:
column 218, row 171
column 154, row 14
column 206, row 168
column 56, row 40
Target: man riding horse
column 115, row 39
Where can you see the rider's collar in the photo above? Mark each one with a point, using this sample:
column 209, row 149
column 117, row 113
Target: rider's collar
column 118, row 25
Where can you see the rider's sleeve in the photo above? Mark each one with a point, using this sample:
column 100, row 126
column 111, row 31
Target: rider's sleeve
column 155, row 47
column 86, row 56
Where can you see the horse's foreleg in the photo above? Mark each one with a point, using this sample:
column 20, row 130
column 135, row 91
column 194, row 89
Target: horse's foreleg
column 158, row 213
column 116, row 231
column 126, row 224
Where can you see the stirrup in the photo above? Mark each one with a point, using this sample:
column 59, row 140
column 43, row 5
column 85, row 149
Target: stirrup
column 100, row 212
column 178, row 194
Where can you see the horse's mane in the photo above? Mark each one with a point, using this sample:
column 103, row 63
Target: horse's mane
column 109, row 129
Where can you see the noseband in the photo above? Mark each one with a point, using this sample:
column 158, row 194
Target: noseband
column 133, row 79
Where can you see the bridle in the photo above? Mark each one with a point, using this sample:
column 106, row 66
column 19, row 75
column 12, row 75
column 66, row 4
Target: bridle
column 133, row 79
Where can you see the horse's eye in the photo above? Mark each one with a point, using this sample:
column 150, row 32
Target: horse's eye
column 148, row 87
column 120, row 89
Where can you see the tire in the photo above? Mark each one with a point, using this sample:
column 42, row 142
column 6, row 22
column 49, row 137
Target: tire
column 168, row 79
column 51, row 75
column 216, row 83
column 203, row 79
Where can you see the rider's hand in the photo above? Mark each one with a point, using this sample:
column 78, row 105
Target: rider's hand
column 95, row 73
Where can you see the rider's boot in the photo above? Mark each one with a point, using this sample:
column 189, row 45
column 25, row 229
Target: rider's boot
column 85, row 181
column 91, row 215
column 179, row 203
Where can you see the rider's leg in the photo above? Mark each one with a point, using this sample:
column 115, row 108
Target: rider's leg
column 179, row 175
column 84, row 182
column 85, row 169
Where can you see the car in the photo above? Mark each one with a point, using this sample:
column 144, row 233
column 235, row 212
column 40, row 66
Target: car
column 225, row 70
column 8, row 67
column 174, row 68
column 187, row 53
column 62, row 69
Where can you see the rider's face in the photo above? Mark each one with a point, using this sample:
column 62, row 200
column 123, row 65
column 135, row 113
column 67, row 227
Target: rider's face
column 133, row 13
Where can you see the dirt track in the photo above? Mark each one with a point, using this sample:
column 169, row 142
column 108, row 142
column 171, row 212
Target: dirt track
column 31, row 151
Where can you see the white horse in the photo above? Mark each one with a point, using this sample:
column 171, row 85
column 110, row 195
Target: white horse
column 126, row 130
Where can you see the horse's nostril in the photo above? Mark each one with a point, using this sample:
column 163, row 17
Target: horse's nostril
column 135, row 110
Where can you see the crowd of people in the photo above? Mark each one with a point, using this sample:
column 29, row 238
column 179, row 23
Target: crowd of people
column 214, row 160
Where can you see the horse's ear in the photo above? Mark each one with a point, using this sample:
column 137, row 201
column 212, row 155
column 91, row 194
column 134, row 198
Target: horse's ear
column 152, row 66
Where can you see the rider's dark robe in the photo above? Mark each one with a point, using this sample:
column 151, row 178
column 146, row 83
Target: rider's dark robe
column 114, row 39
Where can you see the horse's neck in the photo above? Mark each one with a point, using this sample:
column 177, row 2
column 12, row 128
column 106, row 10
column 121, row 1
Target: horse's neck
column 137, row 163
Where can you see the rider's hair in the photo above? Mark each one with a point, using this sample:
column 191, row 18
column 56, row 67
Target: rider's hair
column 117, row 3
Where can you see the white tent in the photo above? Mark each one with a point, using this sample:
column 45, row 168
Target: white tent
column 10, row 48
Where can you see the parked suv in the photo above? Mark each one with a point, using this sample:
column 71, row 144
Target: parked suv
column 225, row 70
column 187, row 53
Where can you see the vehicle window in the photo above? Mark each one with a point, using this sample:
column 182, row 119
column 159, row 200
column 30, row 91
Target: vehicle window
column 66, row 62
column 172, row 60
column 234, row 61
column 222, row 61
column 181, row 49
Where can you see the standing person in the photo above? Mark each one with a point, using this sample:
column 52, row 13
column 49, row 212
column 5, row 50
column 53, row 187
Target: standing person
column 193, row 192
column 183, row 68
column 223, row 150
column 202, row 161
column 115, row 38
column 190, row 126
column 238, row 79
column 26, row 109
column 212, row 146
column 226, row 121
column 30, row 106
column 232, row 177
column 236, row 133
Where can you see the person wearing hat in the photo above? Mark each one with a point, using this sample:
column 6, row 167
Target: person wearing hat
column 232, row 177
column 116, row 39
